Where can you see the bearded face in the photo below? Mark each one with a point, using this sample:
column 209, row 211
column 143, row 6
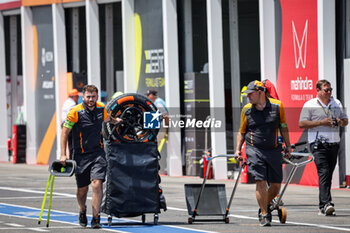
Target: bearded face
column 90, row 99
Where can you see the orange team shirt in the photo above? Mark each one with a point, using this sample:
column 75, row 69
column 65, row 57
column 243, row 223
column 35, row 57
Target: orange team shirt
column 86, row 128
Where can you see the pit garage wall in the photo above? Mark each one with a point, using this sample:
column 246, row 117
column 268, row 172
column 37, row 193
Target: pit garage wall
column 3, row 108
column 39, row 83
column 4, row 123
column 347, row 106
column 39, row 79
column 44, row 84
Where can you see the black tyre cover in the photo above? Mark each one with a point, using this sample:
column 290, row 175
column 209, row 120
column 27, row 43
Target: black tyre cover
column 132, row 185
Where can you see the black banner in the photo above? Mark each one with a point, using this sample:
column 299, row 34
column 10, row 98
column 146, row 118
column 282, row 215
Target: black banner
column 149, row 46
column 44, row 84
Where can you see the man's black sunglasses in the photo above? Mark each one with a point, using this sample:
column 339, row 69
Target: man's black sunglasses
column 328, row 90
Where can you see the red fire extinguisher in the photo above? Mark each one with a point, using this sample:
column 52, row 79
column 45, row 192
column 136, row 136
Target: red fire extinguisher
column 205, row 166
column 244, row 175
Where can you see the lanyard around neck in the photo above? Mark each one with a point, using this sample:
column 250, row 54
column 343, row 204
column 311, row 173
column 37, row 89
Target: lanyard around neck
column 329, row 109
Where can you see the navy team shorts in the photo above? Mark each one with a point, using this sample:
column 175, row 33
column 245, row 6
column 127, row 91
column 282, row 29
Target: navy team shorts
column 265, row 164
column 90, row 167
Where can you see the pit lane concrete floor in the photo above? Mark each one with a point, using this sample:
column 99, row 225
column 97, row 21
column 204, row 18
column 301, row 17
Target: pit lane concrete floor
column 22, row 189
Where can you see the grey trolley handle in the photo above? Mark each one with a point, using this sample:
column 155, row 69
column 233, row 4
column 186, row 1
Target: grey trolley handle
column 210, row 159
column 294, row 169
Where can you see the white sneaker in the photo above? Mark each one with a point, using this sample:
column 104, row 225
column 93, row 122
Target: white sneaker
column 328, row 209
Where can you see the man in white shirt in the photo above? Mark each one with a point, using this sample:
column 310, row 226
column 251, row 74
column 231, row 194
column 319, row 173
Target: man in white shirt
column 323, row 116
column 73, row 97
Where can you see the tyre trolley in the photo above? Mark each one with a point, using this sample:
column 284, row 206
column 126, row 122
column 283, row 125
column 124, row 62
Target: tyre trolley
column 132, row 181
column 306, row 158
column 210, row 199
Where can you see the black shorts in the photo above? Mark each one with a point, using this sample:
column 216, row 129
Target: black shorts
column 90, row 167
column 265, row 164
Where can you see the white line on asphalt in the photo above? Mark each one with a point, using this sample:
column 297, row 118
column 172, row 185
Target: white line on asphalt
column 25, row 228
column 44, row 228
column 290, row 209
column 174, row 208
column 38, row 229
column 179, row 209
column 7, row 229
column 318, row 225
column 34, row 191
column 13, row 225
column 106, row 229
column 17, row 216
column 294, row 223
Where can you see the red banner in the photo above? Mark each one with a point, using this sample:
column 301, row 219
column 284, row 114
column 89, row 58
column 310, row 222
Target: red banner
column 7, row 5
column 298, row 66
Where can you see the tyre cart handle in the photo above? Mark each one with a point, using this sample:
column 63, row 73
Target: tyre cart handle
column 206, row 176
column 294, row 169
column 235, row 187
column 44, row 200
column 55, row 169
column 50, row 181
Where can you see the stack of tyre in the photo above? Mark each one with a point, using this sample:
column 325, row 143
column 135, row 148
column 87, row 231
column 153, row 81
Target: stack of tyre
column 132, row 184
column 130, row 108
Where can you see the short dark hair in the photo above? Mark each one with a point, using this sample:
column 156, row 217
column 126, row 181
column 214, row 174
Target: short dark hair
column 322, row 82
column 151, row 92
column 90, row 88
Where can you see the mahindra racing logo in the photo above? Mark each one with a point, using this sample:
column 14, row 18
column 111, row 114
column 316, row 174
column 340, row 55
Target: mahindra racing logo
column 300, row 47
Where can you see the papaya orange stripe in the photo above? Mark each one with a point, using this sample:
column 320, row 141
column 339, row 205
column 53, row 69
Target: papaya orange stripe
column 81, row 143
column 101, row 143
column 45, row 2
column 276, row 141
column 47, row 142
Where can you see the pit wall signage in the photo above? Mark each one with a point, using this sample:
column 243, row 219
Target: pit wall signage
column 149, row 46
column 44, row 84
column 298, row 67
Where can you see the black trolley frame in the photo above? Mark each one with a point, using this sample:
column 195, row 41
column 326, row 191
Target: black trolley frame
column 193, row 211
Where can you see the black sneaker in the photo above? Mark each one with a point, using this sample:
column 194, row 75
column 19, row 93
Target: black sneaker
column 260, row 217
column 265, row 221
column 95, row 222
column 269, row 210
column 82, row 218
